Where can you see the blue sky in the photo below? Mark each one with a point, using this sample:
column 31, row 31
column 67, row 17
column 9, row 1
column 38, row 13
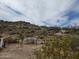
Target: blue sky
column 41, row 12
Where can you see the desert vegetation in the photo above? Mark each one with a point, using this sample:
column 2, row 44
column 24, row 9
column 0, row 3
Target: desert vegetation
column 59, row 47
column 56, row 42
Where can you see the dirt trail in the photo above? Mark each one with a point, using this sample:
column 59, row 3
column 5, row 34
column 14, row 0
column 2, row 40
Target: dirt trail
column 13, row 52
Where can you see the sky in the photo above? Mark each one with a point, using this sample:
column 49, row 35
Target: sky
column 41, row 12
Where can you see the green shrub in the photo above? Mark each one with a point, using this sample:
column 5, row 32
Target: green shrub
column 57, row 47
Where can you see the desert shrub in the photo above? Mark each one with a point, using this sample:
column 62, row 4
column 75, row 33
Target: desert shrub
column 57, row 47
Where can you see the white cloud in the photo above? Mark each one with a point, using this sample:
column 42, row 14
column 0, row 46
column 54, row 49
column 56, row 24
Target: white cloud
column 36, row 11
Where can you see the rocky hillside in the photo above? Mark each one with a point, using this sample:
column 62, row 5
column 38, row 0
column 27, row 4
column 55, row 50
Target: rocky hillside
column 27, row 29
column 24, row 28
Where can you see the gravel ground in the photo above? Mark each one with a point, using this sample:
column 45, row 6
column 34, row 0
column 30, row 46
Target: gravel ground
column 15, row 52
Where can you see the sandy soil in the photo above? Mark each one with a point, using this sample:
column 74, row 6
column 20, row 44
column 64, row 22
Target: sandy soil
column 15, row 52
